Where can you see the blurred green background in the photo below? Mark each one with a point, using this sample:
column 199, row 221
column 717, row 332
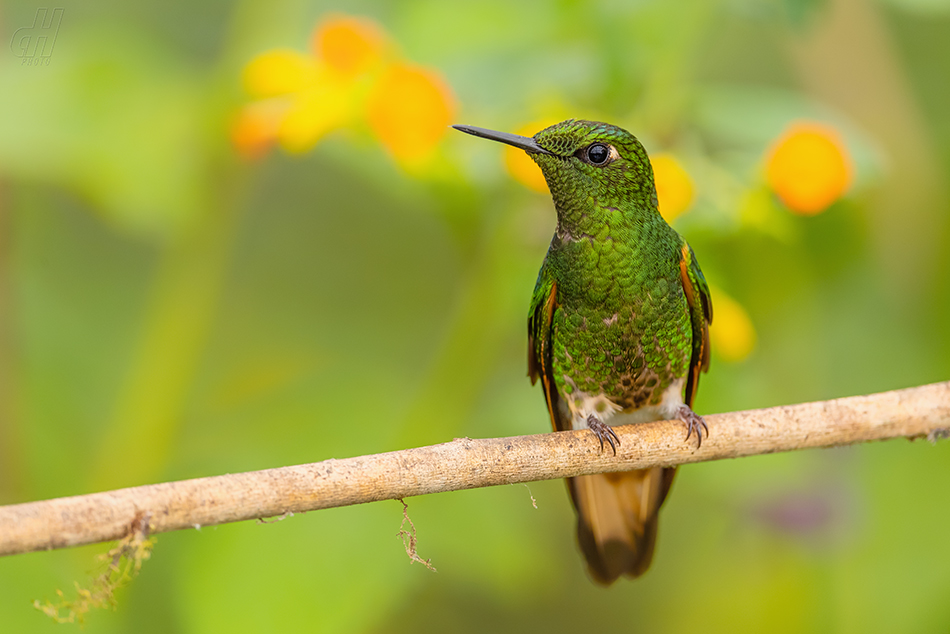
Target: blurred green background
column 171, row 309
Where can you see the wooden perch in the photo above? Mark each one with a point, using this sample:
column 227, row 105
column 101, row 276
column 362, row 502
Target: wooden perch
column 466, row 464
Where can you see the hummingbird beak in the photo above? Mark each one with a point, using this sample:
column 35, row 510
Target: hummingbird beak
column 522, row 142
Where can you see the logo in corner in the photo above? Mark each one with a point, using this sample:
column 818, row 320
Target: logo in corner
column 34, row 44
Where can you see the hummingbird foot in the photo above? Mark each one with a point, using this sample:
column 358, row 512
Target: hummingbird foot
column 603, row 432
column 694, row 423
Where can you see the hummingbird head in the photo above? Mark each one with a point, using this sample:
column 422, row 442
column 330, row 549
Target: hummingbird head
column 590, row 168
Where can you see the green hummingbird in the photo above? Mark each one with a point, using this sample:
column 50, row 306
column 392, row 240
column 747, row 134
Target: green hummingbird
column 618, row 328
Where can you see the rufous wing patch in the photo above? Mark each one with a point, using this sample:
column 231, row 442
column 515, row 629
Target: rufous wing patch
column 700, row 315
column 539, row 350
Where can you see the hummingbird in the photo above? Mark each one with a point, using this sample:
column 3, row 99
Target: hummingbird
column 618, row 326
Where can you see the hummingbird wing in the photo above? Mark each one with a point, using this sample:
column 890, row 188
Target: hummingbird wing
column 700, row 314
column 540, row 316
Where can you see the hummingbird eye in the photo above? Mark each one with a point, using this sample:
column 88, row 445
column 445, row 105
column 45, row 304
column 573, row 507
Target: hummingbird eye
column 597, row 153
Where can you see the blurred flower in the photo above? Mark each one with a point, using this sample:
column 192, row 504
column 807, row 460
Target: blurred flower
column 350, row 46
column 410, row 109
column 674, row 187
column 520, row 165
column 279, row 72
column 732, row 333
column 256, row 125
column 352, row 78
column 808, row 167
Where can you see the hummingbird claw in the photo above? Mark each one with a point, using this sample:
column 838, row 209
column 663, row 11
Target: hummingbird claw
column 603, row 431
column 694, row 422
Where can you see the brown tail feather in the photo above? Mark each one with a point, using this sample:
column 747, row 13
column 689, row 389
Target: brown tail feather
column 616, row 519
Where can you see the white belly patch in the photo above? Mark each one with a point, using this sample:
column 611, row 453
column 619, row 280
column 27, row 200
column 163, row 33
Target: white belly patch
column 580, row 406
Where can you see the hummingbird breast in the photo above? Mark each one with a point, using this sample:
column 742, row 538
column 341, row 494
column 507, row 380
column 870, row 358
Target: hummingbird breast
column 621, row 333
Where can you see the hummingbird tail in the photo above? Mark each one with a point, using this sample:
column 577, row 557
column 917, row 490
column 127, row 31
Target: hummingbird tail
column 617, row 519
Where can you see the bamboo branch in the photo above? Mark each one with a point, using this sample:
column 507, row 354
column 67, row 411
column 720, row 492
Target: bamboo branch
column 466, row 464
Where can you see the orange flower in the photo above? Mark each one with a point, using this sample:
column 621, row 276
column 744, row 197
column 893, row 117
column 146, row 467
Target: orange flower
column 255, row 127
column 520, row 165
column 410, row 110
column 808, row 167
column 354, row 77
column 350, row 45
column 674, row 187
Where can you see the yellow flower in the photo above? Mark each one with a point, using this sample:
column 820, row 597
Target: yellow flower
column 279, row 72
column 520, row 165
column 732, row 333
column 323, row 107
column 808, row 167
column 352, row 79
column 674, row 187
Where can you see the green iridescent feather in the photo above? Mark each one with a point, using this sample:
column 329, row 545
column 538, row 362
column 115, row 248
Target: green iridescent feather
column 621, row 323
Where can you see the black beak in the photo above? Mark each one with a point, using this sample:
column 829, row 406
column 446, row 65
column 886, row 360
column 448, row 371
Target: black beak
column 523, row 142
